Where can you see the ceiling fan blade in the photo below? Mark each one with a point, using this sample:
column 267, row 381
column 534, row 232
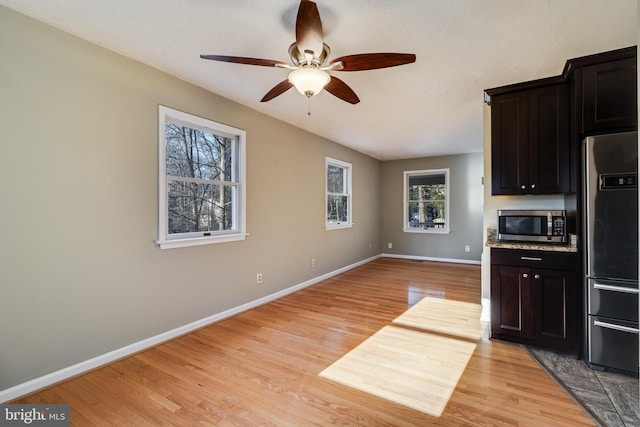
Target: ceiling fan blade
column 278, row 89
column 243, row 60
column 309, row 34
column 372, row 61
column 338, row 88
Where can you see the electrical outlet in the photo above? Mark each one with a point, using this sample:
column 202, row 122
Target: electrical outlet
column 259, row 278
column 313, row 263
column 390, row 245
column 467, row 248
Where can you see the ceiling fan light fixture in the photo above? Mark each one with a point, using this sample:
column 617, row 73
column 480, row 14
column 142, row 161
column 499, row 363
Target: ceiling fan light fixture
column 309, row 81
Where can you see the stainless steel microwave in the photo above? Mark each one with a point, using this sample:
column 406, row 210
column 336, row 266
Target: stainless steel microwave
column 532, row 226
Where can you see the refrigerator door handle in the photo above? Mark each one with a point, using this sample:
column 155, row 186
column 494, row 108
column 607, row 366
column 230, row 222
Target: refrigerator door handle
column 615, row 327
column 616, row 288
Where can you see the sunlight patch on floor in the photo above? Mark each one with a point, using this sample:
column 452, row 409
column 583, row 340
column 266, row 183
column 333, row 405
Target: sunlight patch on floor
column 418, row 361
column 412, row 368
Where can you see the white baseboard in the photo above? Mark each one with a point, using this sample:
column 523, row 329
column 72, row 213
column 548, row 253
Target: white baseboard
column 424, row 258
column 103, row 359
column 485, row 316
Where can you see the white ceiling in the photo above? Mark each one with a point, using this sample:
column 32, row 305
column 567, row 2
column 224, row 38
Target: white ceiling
column 432, row 107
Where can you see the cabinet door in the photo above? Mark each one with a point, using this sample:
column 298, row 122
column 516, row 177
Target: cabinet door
column 609, row 95
column 509, row 150
column 549, row 140
column 510, row 302
column 554, row 308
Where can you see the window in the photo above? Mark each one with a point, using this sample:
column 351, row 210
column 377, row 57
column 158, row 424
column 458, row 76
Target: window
column 426, row 201
column 338, row 181
column 201, row 181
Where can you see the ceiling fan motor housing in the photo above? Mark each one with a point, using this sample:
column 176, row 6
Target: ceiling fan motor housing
column 301, row 58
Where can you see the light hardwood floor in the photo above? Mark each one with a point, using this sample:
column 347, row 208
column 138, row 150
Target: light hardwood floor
column 261, row 367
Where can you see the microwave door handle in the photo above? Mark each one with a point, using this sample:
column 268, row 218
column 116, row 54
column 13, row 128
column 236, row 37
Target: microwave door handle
column 549, row 226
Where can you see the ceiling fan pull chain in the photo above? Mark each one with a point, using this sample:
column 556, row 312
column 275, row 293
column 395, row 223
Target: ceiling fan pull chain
column 308, row 105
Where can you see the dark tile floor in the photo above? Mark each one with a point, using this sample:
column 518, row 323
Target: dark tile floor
column 611, row 398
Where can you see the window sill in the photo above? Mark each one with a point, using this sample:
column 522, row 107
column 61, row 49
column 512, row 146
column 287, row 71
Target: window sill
column 338, row 226
column 199, row 241
column 423, row 231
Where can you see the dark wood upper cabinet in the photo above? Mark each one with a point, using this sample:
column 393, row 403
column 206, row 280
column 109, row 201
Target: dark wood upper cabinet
column 509, row 145
column 530, row 141
column 549, row 140
column 536, row 126
column 609, row 95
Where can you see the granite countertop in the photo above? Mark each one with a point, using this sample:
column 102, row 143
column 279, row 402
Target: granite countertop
column 493, row 242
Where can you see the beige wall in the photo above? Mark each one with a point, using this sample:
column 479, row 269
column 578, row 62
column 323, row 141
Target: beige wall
column 80, row 273
column 465, row 178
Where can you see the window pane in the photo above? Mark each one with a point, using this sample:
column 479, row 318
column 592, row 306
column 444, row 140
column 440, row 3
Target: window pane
column 196, row 207
column 427, row 187
column 194, row 153
column 436, row 192
column 337, row 208
column 335, row 179
column 427, row 201
column 437, row 214
column 427, row 214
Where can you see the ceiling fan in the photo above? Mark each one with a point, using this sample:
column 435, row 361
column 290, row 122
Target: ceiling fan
column 309, row 53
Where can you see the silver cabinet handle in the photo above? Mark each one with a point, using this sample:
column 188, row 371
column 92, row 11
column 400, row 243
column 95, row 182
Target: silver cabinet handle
column 530, row 258
column 533, row 186
column 615, row 327
column 525, row 275
column 524, row 187
column 537, row 276
column 615, row 288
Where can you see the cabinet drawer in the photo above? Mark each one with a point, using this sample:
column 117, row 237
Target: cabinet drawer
column 535, row 259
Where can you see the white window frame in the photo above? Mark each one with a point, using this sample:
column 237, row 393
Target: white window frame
column 405, row 201
column 166, row 241
column 331, row 225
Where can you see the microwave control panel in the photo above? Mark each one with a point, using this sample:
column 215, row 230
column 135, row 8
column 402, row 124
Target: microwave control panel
column 558, row 226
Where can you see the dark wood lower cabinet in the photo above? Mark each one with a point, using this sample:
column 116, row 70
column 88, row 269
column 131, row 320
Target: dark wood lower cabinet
column 510, row 302
column 534, row 298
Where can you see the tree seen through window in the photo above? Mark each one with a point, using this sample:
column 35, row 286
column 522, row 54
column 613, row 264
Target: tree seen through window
column 427, row 201
column 201, row 192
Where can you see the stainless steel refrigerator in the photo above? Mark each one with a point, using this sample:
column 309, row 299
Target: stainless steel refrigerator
column 611, row 251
